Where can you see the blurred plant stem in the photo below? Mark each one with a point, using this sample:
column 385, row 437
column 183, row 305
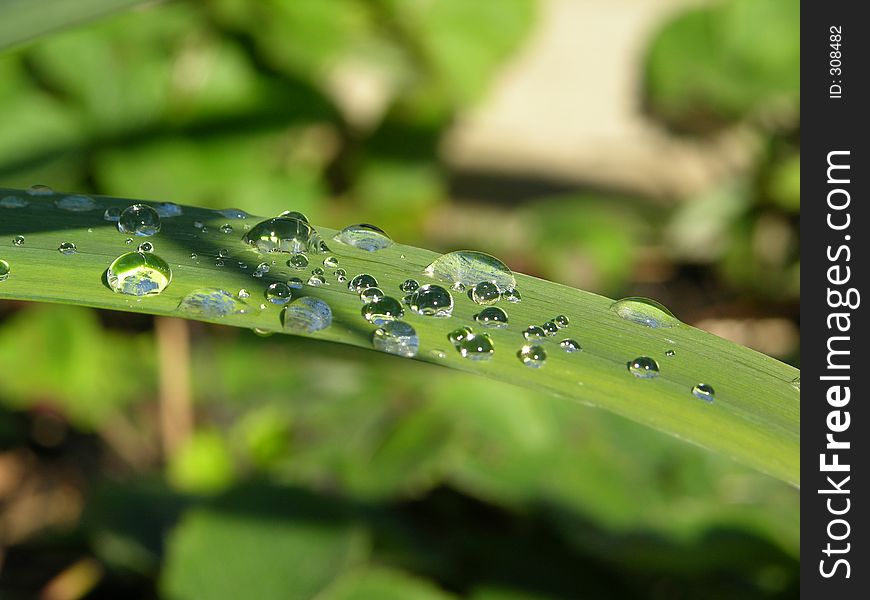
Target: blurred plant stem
column 176, row 409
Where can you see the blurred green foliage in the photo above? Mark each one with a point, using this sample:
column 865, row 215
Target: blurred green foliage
column 328, row 472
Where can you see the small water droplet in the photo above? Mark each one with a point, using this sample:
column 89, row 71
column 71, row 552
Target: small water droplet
column 292, row 214
column 128, row 241
column 550, row 328
column 492, row 316
column 470, row 268
column 513, row 296
column 361, row 282
column 670, row 353
column 532, row 355
column 704, row 392
column 476, row 346
column 643, row 367
column 18, row 240
column 485, row 292
column 298, row 262
column 138, row 274
column 261, row 270
column 438, row 354
column 243, row 293
column 458, row 287
column 796, row 383
column 39, row 190
column 67, row 248
column 330, row 262
column 382, row 310
column 409, row 285
column 317, row 280
column 262, row 332
column 167, row 210
column 284, row 234
column 233, row 213
column 340, row 273
column 372, row 294
column 317, row 271
column 211, row 303
column 644, row 311
column 306, row 315
column 4, row 270
column 278, row 293
column 139, row 219
column 226, row 228
column 396, row 337
column 365, row 237
column 431, row 301
column 194, row 255
column 76, row 203
column 561, row 321
column 13, row 202
column 534, row 332
column 198, row 224
column 459, row 334
column 146, row 247
column 569, row 345
column 295, row 283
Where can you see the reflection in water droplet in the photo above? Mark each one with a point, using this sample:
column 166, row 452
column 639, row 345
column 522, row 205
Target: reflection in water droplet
column 13, row 202
column 643, row 367
column 138, row 274
column 278, row 293
column 226, row 228
column 112, row 214
column 139, row 219
column 485, row 292
column 383, row 310
column 76, row 203
column 330, row 262
column 4, row 270
column 283, row 234
column 534, row 332
column 298, row 262
column 550, row 328
column 512, row 296
column 470, row 268
column 644, row 311
column 233, row 213
column 365, row 237
column 569, row 345
column 361, row 282
column 146, row 247
column 396, row 337
column 67, row 248
column 372, row 294
column 561, row 321
column 704, row 392
column 533, row 356
column 492, row 316
column 431, row 301
column 476, row 346
column 211, row 303
column 18, row 240
column 306, row 315
column 670, row 353
column 409, row 285
column 39, row 190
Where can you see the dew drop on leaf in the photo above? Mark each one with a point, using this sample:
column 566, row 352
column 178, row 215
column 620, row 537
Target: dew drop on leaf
column 39, row 190
column 317, row 280
column 4, row 270
column 512, row 295
column 76, row 203
column 492, row 316
column 569, row 345
column 330, row 262
column 561, row 321
column 431, row 301
column 112, row 214
column 550, row 328
column 292, row 214
column 364, row 236
column 67, row 248
column 243, row 293
column 284, row 234
column 18, row 240
column 643, row 367
column 459, row 334
column 361, row 282
column 704, row 392
column 146, row 247
column 534, row 332
column 295, row 283
column 382, row 310
column 138, row 274
column 396, row 337
column 226, row 228
column 409, row 285
column 485, row 292
column 232, row 213
column 475, row 346
column 644, row 311
column 306, row 315
column 13, row 202
column 372, row 294
column 670, row 353
column 211, row 303
column 298, row 262
column 278, row 293
column 469, row 268
column 532, row 355
column 139, row 219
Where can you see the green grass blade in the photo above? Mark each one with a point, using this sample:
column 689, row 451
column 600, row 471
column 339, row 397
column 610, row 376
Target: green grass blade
column 755, row 417
column 24, row 20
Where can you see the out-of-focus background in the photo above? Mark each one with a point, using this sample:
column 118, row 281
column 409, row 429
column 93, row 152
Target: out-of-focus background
column 627, row 147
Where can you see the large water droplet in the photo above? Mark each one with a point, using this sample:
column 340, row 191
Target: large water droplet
column 643, row 367
column 307, row 315
column 383, row 310
column 704, row 392
column 364, row 236
column 431, row 301
column 138, row 274
column 396, row 337
column 39, row 190
column 469, row 268
column 485, row 292
column 211, row 303
column 18, row 240
column 361, row 282
column 168, row 210
column 139, row 219
column 67, row 248
column 492, row 316
column 533, row 356
column 13, row 202
column 4, row 270
column 278, row 293
column 644, row 311
column 569, row 345
column 76, row 203
column 284, row 234
column 475, row 346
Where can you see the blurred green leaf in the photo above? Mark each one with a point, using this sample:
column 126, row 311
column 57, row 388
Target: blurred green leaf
column 382, row 584
column 203, row 465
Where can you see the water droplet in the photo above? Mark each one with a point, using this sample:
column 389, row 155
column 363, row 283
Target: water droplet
column 76, row 203
column 316, row 280
column 513, row 296
column 431, row 301
column 138, row 274
column 492, row 316
column 330, row 262
column 409, row 285
column 67, row 248
column 295, row 283
column 458, row 287
column 670, row 353
column 704, row 392
column 372, row 294
column 194, row 255
column 396, row 337
column 307, row 315
column 128, row 241
column 112, row 214
column 470, row 268
column 292, row 214
column 485, row 292
column 340, row 273
column 261, row 270
column 198, row 224
column 383, row 310
column 438, row 354
column 4, row 270
column 262, row 332
column 550, row 328
column 561, row 321
column 146, row 247
column 476, row 346
column 365, row 237
column 278, row 293
column 796, row 383
column 643, row 367
column 533, row 356
column 211, row 303
column 243, row 293
column 226, row 228
column 168, row 210
column 317, row 271
column 459, row 334
column 233, row 213
column 223, row 253
column 361, row 282
column 39, row 190
column 283, row 234
column 569, row 345
column 13, row 202
column 298, row 262
column 534, row 332
column 644, row 311
column 18, row 240
column 139, row 219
